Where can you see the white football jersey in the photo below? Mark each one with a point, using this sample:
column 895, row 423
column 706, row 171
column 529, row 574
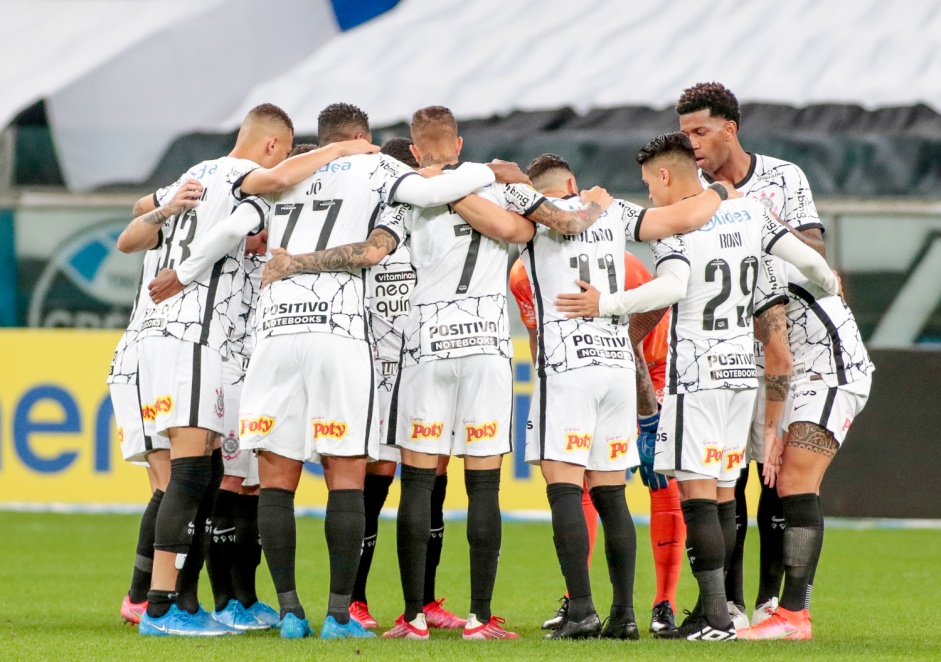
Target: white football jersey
column 782, row 188
column 458, row 307
column 711, row 332
column 204, row 312
column 554, row 261
column 124, row 362
column 243, row 331
column 389, row 286
column 339, row 204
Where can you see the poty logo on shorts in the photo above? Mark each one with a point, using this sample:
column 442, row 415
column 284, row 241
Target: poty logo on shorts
column 331, row 429
column 422, row 431
column 162, row 405
column 617, row 448
column 575, row 441
column 483, row 431
column 260, row 425
column 732, row 460
column 713, row 454
column 120, row 435
column 847, row 423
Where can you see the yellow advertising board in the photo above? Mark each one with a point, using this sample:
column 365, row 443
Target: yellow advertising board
column 58, row 443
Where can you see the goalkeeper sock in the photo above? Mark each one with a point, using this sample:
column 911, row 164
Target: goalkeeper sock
column 591, row 521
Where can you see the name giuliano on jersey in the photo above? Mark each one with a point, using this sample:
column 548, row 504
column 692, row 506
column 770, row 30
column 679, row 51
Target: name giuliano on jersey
column 458, row 307
column 339, row 204
column 389, row 286
column 554, row 261
column 124, row 362
column 205, row 310
column 711, row 333
column 782, row 188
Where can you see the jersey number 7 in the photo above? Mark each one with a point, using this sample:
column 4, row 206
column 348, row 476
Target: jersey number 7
column 293, row 212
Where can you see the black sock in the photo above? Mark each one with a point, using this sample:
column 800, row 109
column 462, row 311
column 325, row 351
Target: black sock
column 734, row 571
column 343, row 527
column 187, row 584
column 144, row 559
column 223, row 543
column 177, row 516
column 570, row 534
column 803, row 540
column 436, row 541
column 771, row 533
column 247, row 549
column 375, row 492
column 705, row 546
column 727, row 520
column 413, row 527
column 484, row 535
column 620, row 546
column 278, row 532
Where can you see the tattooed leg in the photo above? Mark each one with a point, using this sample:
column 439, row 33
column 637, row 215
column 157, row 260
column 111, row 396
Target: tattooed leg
column 807, row 455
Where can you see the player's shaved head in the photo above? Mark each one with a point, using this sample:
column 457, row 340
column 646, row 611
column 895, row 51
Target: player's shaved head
column 670, row 150
column 549, row 171
column 342, row 121
column 265, row 137
column 303, row 148
column 434, row 136
column 714, row 97
column 270, row 115
column 399, row 149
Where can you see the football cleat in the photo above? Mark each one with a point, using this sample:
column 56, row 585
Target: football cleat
column 179, row 623
column 661, row 617
column 492, row 629
column 350, row 630
column 416, row 629
column 695, row 628
column 764, row 610
column 436, row 616
column 738, row 616
column 293, row 627
column 132, row 612
column 235, row 616
column 782, row 624
column 263, row 614
column 359, row 612
column 616, row 628
column 587, row 628
column 560, row 614
column 804, row 632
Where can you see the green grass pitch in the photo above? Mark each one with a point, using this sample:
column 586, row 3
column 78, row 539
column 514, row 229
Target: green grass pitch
column 62, row 579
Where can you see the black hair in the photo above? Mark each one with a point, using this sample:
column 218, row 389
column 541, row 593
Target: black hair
column 714, row 97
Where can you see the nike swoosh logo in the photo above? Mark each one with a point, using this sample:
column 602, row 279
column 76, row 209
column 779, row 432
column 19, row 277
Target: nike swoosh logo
column 159, row 628
column 661, row 544
column 219, row 532
column 777, row 519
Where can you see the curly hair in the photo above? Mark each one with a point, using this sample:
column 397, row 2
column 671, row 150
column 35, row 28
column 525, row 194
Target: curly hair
column 302, row 148
column 543, row 163
column 398, row 149
column 668, row 144
column 340, row 121
column 714, row 97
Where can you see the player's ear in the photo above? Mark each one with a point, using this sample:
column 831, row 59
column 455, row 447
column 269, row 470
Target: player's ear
column 460, row 144
column 731, row 130
column 415, row 153
column 665, row 176
column 272, row 145
column 571, row 186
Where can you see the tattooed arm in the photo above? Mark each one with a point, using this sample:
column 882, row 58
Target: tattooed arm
column 360, row 255
column 141, row 233
column 573, row 222
column 771, row 332
column 642, row 324
column 646, row 395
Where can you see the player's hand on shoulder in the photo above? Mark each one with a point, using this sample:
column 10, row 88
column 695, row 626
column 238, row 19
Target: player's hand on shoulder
column 583, row 304
column 357, row 146
column 257, row 244
column 187, row 196
column 164, row 286
column 597, row 195
column 277, row 267
column 840, row 283
column 508, row 172
column 730, row 189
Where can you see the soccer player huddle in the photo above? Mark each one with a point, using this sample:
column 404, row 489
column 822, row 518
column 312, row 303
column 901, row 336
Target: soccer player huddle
column 279, row 283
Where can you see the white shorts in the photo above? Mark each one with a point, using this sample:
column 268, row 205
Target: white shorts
column 832, row 408
column 240, row 463
column 703, row 434
column 309, row 395
column 586, row 416
column 135, row 445
column 180, row 386
column 387, row 358
column 461, row 406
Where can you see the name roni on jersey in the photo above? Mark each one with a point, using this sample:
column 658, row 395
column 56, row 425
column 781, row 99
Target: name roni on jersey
column 467, row 334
